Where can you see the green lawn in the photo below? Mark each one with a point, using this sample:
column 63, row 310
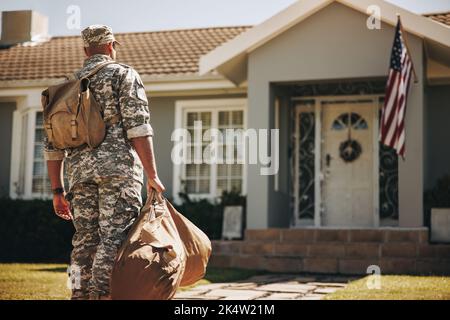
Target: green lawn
column 397, row 288
column 48, row 281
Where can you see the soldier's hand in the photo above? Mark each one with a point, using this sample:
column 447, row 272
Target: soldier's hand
column 156, row 184
column 61, row 207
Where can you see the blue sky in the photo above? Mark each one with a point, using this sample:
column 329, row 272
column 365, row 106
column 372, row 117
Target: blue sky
column 149, row 15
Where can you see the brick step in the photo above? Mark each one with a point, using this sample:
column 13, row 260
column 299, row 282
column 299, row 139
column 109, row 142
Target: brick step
column 349, row 250
column 381, row 235
column 332, row 265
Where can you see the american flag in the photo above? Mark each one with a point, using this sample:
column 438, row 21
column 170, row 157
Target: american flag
column 392, row 131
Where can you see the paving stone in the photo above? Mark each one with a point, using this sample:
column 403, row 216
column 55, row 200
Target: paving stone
column 281, row 296
column 212, row 286
column 198, row 298
column 270, row 278
column 313, row 297
column 280, row 287
column 236, row 294
column 326, row 290
column 305, row 279
column 327, row 284
column 243, row 285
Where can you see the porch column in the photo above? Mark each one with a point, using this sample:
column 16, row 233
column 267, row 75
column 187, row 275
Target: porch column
column 257, row 184
column 411, row 171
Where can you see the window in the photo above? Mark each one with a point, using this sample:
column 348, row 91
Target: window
column 40, row 182
column 350, row 119
column 203, row 179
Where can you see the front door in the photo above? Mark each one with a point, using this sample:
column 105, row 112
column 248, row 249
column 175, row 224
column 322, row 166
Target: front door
column 347, row 157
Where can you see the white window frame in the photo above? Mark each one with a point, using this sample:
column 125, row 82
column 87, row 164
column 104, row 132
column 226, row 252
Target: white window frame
column 22, row 155
column 214, row 106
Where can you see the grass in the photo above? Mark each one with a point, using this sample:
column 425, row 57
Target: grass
column 48, row 281
column 397, row 288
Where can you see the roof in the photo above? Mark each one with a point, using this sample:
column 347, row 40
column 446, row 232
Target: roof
column 150, row 53
column 231, row 58
column 442, row 17
column 177, row 52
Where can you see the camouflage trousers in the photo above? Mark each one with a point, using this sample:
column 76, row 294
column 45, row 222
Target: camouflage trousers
column 103, row 211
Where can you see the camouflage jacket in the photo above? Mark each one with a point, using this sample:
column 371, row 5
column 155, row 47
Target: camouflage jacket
column 119, row 89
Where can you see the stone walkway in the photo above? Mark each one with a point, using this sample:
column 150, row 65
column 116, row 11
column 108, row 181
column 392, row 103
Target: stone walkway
column 268, row 287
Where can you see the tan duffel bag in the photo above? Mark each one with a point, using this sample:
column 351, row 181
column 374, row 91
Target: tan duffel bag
column 196, row 244
column 151, row 261
column 163, row 251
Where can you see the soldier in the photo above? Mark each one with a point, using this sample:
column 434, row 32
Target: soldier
column 105, row 183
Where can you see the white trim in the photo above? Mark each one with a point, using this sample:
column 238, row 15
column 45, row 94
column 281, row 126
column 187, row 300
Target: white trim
column 16, row 142
column 318, row 164
column 29, row 154
column 213, row 105
column 239, row 47
column 296, row 165
column 276, row 185
column 376, row 163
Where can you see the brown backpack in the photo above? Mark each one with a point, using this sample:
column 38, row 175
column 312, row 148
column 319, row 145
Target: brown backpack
column 72, row 117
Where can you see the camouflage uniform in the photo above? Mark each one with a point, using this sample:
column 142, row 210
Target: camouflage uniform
column 105, row 183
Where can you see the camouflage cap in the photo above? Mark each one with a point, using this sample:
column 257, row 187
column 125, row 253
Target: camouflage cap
column 97, row 34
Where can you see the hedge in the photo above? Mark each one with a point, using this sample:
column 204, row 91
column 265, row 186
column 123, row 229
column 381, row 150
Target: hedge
column 31, row 232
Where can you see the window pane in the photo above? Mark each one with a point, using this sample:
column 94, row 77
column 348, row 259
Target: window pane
column 191, row 186
column 206, row 119
column 221, row 186
column 238, row 118
column 38, row 185
column 224, row 117
column 236, row 169
column 236, row 185
column 203, row 186
column 39, row 135
column 38, row 169
column 222, row 170
column 38, row 151
column 204, row 170
column 191, row 170
column 191, row 117
column 39, row 119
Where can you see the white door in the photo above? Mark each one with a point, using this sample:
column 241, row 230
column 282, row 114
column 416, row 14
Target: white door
column 347, row 163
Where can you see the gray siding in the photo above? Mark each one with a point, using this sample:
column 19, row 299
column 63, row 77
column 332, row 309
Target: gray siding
column 438, row 133
column 6, row 119
column 331, row 45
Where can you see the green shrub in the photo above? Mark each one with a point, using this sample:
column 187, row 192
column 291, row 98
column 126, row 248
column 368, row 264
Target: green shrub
column 437, row 197
column 31, row 232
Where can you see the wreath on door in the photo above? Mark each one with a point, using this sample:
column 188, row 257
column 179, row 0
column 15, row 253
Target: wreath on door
column 350, row 150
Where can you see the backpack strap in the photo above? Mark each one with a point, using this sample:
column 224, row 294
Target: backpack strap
column 97, row 68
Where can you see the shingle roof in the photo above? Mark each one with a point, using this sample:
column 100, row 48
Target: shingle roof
column 173, row 52
column 151, row 53
column 443, row 17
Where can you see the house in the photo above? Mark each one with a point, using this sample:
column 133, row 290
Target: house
column 317, row 73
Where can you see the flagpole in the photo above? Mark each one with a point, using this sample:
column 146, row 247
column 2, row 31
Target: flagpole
column 407, row 47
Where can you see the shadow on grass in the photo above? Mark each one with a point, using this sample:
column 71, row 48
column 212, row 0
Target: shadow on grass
column 50, row 269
